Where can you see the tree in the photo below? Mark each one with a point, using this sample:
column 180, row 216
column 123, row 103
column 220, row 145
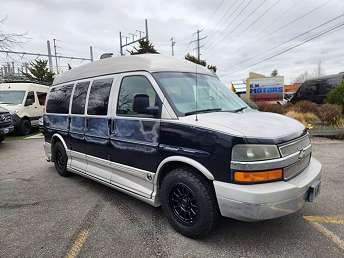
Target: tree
column 7, row 40
column 145, row 46
column 195, row 60
column 274, row 73
column 336, row 95
column 39, row 72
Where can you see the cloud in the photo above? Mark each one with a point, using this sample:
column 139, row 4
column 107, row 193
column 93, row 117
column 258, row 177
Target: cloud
column 231, row 38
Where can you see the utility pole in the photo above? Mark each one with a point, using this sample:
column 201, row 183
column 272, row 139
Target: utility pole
column 57, row 66
column 142, row 36
column 91, row 53
column 173, row 43
column 198, row 43
column 50, row 60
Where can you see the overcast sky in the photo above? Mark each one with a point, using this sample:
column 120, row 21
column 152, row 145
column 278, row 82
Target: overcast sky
column 239, row 33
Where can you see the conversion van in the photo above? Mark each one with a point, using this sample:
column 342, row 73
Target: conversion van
column 170, row 133
column 25, row 101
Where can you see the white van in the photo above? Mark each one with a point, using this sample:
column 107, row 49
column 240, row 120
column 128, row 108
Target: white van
column 25, row 101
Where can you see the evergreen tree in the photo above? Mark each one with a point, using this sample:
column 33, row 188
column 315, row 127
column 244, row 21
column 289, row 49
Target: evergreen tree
column 39, row 72
column 195, row 60
column 145, row 46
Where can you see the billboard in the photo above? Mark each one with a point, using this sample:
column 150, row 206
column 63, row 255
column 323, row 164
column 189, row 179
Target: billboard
column 266, row 88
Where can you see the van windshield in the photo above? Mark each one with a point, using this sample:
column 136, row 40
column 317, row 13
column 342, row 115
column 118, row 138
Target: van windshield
column 212, row 95
column 13, row 97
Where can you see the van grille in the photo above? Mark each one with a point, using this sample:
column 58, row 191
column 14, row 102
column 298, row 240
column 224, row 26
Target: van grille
column 295, row 146
column 296, row 168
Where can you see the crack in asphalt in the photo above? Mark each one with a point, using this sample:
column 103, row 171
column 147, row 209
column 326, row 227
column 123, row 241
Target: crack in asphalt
column 9, row 205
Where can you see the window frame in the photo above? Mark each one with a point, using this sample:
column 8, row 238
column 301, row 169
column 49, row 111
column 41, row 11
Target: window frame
column 137, row 116
column 70, row 102
column 89, row 93
column 86, row 100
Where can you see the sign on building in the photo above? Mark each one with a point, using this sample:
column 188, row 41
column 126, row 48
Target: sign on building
column 266, row 88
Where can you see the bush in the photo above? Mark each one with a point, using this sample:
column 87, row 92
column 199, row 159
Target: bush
column 336, row 95
column 305, row 118
column 330, row 113
column 305, row 106
column 274, row 108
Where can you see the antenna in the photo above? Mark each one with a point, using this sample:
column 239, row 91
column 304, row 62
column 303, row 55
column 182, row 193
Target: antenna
column 196, row 118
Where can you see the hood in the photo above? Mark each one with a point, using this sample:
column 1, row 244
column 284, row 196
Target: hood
column 249, row 124
column 10, row 107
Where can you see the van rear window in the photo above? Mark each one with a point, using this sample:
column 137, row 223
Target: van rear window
column 59, row 98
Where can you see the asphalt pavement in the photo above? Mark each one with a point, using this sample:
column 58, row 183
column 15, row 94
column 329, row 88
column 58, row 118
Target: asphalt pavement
column 45, row 215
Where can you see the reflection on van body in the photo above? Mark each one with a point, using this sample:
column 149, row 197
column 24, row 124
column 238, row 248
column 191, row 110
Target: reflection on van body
column 154, row 128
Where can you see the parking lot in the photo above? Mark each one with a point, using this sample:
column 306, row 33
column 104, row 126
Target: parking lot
column 45, row 215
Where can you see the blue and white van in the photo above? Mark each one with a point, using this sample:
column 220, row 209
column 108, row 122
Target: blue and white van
column 170, row 133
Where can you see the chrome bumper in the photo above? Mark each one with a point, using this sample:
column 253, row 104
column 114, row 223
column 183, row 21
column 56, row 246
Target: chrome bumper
column 47, row 150
column 266, row 201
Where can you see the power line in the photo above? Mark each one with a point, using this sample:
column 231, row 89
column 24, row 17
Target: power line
column 226, row 24
column 244, row 19
column 337, row 27
column 261, row 16
column 297, row 36
column 236, row 16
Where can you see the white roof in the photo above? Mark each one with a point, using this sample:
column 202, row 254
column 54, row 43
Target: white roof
column 145, row 62
column 23, row 86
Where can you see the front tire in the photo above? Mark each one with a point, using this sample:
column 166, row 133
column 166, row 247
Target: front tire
column 24, row 127
column 189, row 202
column 60, row 159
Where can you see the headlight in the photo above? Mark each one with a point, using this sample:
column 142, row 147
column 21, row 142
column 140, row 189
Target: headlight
column 254, row 152
column 13, row 112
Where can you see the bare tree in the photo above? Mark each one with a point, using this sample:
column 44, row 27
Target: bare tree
column 8, row 40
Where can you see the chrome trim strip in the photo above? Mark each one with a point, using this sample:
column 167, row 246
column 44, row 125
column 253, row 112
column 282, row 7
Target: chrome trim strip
column 269, row 164
column 150, row 201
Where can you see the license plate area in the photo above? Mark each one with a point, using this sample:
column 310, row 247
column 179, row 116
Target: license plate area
column 313, row 192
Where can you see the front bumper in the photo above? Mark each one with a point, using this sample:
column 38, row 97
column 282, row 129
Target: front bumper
column 6, row 130
column 269, row 200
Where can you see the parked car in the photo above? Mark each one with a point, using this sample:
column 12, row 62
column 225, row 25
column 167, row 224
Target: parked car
column 6, row 125
column 25, row 101
column 171, row 134
column 315, row 90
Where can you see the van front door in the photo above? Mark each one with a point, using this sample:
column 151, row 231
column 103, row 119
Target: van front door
column 134, row 135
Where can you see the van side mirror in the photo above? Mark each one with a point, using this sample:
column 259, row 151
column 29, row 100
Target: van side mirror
column 29, row 102
column 141, row 105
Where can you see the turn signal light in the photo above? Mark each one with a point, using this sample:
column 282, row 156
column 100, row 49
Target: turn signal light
column 258, row 176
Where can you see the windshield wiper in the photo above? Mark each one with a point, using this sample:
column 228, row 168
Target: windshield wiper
column 239, row 109
column 202, row 111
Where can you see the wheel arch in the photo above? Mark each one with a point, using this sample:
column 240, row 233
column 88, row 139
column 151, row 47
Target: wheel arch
column 57, row 138
column 173, row 162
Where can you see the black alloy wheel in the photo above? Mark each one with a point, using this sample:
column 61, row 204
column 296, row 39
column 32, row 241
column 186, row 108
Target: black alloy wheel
column 183, row 204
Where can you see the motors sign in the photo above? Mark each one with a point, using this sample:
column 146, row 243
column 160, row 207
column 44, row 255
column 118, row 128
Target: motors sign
column 266, row 89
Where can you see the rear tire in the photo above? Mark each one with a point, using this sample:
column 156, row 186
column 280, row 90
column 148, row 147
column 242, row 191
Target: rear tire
column 2, row 138
column 60, row 159
column 24, row 127
column 189, row 202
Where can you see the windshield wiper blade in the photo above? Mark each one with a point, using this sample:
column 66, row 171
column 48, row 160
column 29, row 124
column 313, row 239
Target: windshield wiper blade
column 239, row 109
column 202, row 111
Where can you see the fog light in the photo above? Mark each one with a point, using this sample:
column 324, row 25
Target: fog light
column 258, row 176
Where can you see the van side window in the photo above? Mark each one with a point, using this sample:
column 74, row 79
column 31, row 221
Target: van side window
column 59, row 98
column 41, row 97
column 30, row 98
column 79, row 98
column 137, row 97
column 99, row 97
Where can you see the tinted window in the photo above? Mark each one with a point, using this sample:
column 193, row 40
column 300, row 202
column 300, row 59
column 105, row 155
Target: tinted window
column 59, row 97
column 132, row 86
column 79, row 98
column 99, row 97
column 30, row 98
column 41, row 97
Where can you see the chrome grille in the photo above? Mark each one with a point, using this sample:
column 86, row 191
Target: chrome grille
column 296, row 168
column 294, row 146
